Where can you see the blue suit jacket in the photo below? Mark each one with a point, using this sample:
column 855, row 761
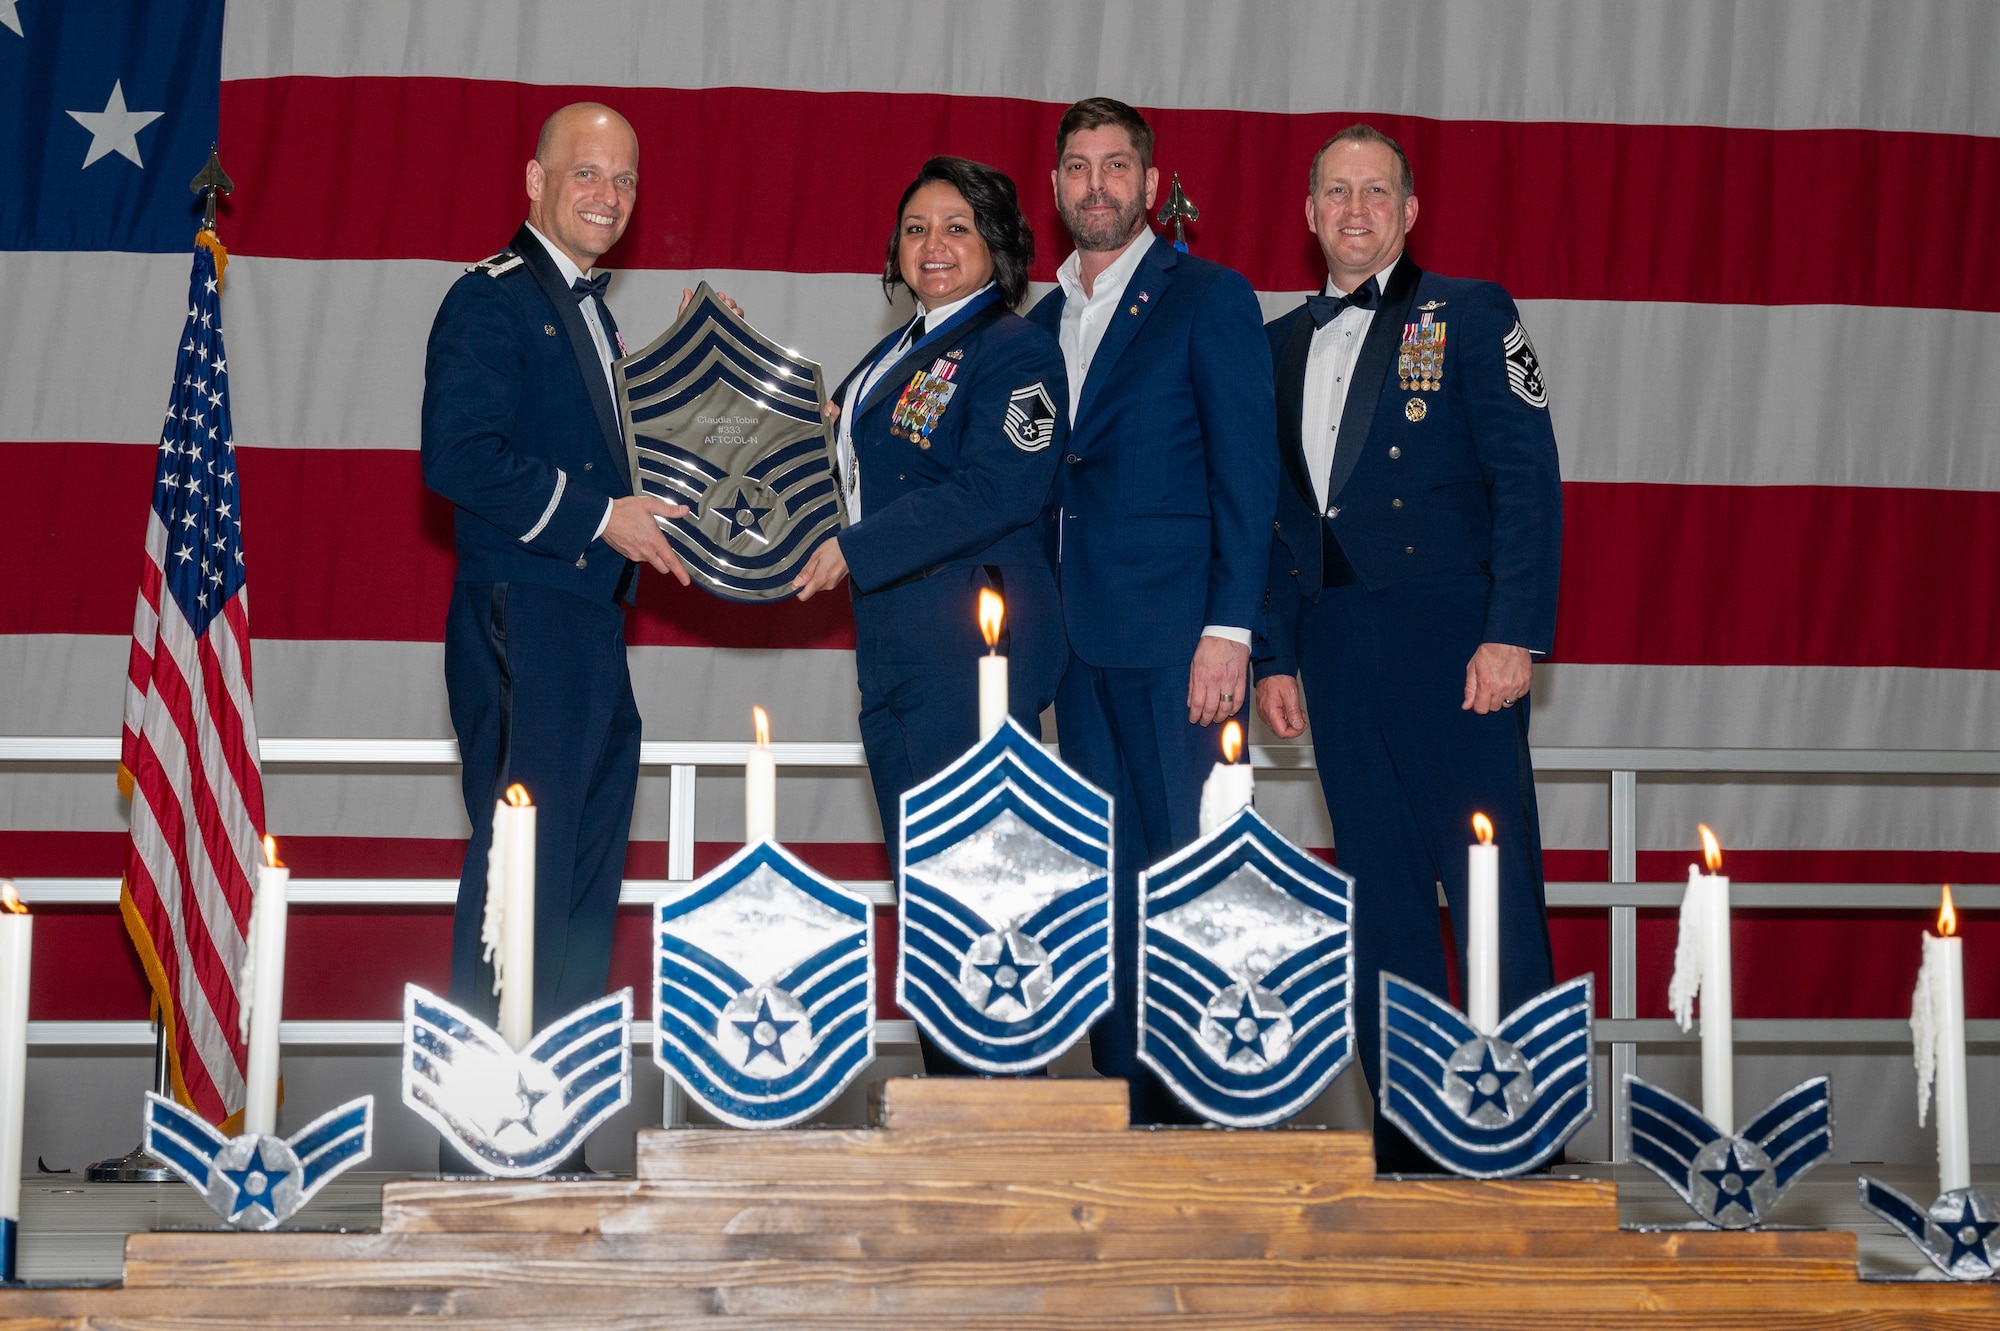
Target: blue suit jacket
column 972, row 490
column 1457, row 478
column 1169, row 482
column 519, row 431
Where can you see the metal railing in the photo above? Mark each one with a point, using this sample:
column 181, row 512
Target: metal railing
column 1621, row 894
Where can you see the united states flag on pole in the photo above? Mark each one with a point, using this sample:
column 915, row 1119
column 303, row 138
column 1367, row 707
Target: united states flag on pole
column 190, row 741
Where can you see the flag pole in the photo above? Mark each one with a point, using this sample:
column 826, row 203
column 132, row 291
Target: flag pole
column 136, row 1165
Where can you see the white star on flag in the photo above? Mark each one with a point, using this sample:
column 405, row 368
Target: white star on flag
column 114, row 129
column 10, row 16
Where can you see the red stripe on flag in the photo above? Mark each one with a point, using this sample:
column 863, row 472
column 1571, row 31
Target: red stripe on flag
column 166, row 943
column 1780, row 575
column 1654, row 574
column 1552, row 210
column 232, row 739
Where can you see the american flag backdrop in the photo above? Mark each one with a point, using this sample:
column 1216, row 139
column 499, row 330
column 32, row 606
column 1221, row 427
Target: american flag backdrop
column 1753, row 245
column 189, row 748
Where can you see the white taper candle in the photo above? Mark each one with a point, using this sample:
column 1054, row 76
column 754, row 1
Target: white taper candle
column 1482, row 929
column 1231, row 785
column 992, row 666
column 264, row 992
column 514, row 852
column 17, row 938
column 1937, row 1025
column 760, row 784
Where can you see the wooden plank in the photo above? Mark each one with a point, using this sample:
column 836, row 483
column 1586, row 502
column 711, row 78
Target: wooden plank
column 1825, row 1307
column 979, row 1215
column 1001, row 1104
column 214, row 1258
column 1286, row 1157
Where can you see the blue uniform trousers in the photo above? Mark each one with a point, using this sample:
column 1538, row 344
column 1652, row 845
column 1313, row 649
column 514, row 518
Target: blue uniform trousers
column 1126, row 731
column 1404, row 769
column 540, row 694
column 916, row 646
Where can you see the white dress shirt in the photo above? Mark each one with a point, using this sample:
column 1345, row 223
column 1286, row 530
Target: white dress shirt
column 1329, row 374
column 1085, row 316
column 1084, row 319
column 570, row 273
column 859, row 387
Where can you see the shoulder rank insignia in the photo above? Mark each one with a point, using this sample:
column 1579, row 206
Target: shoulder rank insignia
column 506, row 261
column 1524, row 369
column 1031, row 418
column 1420, row 362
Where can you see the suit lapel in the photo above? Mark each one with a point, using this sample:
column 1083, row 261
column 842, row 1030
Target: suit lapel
column 1135, row 305
column 1291, row 383
column 933, row 339
column 550, row 277
column 1364, row 392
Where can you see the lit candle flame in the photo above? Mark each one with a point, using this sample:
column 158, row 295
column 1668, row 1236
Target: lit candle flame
column 992, row 613
column 271, row 853
column 1711, row 851
column 1947, row 917
column 1482, row 827
column 10, row 900
column 1232, row 742
column 762, row 721
column 517, row 795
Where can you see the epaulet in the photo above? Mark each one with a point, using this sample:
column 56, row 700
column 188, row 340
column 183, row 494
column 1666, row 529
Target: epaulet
column 506, row 261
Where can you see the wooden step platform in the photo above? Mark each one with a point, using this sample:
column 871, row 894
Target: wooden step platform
column 1015, row 1205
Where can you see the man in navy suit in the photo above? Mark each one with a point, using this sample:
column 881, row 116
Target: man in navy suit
column 1166, row 491
column 1412, row 582
column 521, row 433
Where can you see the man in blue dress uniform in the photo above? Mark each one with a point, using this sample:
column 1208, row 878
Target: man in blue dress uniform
column 521, row 433
column 1412, row 580
column 1166, row 490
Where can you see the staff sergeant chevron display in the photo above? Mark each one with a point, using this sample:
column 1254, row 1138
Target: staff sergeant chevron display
column 257, row 1181
column 1005, row 916
column 720, row 418
column 516, row 1113
column 1246, row 974
column 1487, row 1106
column 763, row 989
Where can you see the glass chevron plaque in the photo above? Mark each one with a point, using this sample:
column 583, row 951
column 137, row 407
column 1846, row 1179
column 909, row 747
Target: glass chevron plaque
column 722, row 419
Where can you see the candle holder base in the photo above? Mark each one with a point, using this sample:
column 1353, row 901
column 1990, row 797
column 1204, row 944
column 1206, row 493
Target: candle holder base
column 135, row 1166
column 1732, row 1181
column 259, row 1180
column 1488, row 1106
column 1957, row 1232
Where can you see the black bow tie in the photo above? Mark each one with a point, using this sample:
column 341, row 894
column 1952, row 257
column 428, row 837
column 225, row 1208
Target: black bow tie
column 591, row 286
column 1325, row 309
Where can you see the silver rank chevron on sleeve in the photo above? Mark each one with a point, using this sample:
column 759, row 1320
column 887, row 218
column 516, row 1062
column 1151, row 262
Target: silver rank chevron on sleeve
column 1524, row 368
column 1246, row 974
column 1031, row 418
column 763, row 989
column 1005, row 915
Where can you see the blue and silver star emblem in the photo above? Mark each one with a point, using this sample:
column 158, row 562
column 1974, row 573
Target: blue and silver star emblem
column 1955, row 1232
column 741, row 515
column 764, row 1034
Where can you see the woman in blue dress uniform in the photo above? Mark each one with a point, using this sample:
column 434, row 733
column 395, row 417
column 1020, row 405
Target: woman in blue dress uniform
column 949, row 435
